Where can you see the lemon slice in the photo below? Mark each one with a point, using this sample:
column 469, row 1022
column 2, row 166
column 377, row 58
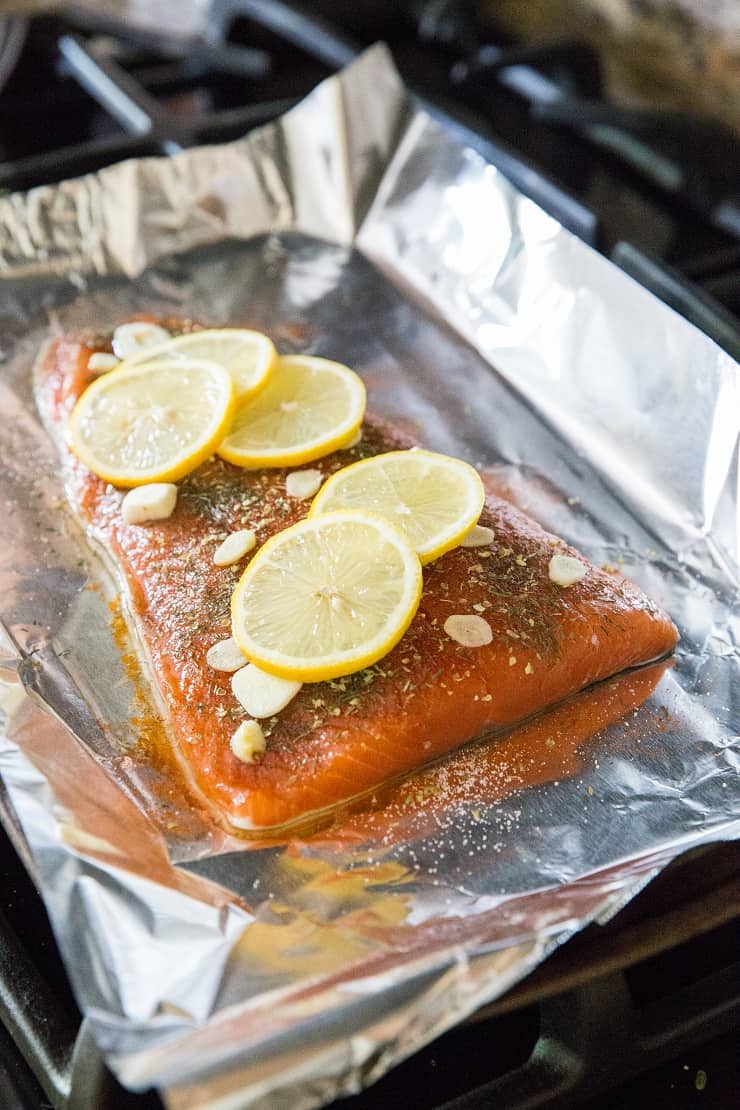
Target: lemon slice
column 308, row 408
column 152, row 423
column 249, row 356
column 433, row 499
column 326, row 597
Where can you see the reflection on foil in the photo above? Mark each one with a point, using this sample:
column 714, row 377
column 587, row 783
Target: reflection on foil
column 232, row 973
column 551, row 747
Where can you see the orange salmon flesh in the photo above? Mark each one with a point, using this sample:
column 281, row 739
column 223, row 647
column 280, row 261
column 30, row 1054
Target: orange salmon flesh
column 339, row 739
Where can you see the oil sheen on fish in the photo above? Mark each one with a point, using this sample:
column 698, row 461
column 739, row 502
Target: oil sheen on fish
column 339, row 739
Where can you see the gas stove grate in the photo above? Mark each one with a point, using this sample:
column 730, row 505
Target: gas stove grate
column 631, row 184
column 661, row 979
column 657, row 191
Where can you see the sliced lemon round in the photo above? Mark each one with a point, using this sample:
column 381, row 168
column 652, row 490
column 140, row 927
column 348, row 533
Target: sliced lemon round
column 308, row 408
column 249, row 356
column 433, row 499
column 152, row 423
column 326, row 597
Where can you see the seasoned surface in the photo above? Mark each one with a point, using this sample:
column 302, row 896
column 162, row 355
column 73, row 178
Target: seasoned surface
column 429, row 695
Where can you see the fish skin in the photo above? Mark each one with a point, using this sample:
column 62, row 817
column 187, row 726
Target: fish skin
column 428, row 696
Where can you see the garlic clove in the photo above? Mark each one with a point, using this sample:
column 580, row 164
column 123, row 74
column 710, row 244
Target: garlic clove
column 260, row 693
column 478, row 536
column 226, row 655
column 303, row 483
column 564, row 570
column 248, row 741
column 234, row 547
column 155, row 501
column 100, row 362
column 468, row 630
column 132, row 339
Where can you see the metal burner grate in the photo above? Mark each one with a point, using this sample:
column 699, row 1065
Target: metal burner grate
column 660, row 195
column 615, row 1002
column 658, row 192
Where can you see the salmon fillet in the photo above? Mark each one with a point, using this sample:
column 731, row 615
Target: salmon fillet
column 339, row 739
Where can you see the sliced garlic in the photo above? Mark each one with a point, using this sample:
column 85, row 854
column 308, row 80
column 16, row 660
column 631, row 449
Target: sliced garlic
column 234, row 547
column 303, row 483
column 468, row 630
column 262, row 694
column 226, row 655
column 153, row 502
column 132, row 339
column 479, row 536
column 100, row 362
column 248, row 741
column 564, row 570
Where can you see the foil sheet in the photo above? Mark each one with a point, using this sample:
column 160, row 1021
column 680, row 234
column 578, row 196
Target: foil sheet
column 230, row 974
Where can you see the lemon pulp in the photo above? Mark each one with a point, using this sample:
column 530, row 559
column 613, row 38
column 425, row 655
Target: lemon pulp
column 248, row 356
column 433, row 499
column 151, row 423
column 308, row 408
column 326, row 597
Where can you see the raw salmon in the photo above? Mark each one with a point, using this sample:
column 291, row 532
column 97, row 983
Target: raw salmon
column 337, row 740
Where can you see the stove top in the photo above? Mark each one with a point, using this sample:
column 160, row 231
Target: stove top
column 659, row 192
column 626, row 1014
column 655, row 993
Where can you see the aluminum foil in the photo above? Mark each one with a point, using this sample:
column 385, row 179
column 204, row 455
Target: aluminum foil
column 231, row 974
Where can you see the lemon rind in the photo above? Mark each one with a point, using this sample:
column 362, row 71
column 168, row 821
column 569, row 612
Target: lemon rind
column 240, row 395
column 308, row 453
column 182, row 466
column 336, row 669
column 314, row 449
column 426, row 555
